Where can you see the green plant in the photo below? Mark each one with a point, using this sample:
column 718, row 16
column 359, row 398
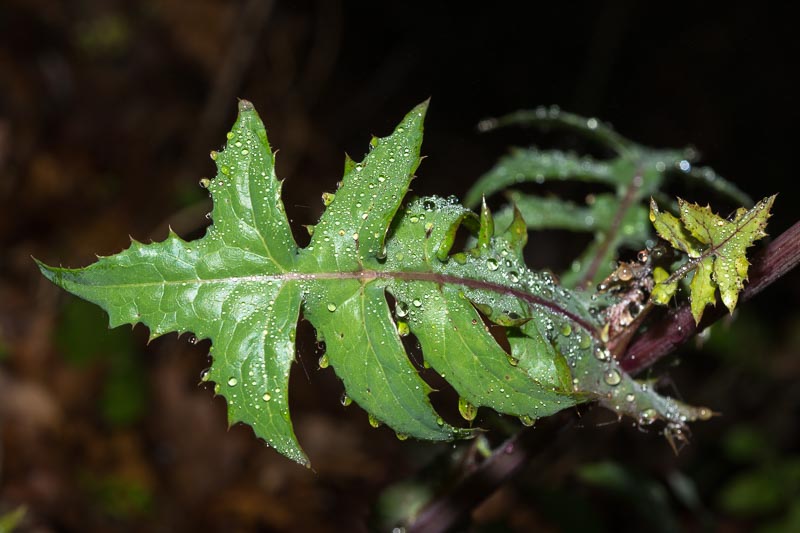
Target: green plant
column 378, row 268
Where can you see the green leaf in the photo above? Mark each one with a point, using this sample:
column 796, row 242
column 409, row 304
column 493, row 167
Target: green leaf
column 616, row 218
column 716, row 248
column 244, row 284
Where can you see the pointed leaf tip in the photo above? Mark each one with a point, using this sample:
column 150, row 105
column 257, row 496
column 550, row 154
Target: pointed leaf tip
column 246, row 105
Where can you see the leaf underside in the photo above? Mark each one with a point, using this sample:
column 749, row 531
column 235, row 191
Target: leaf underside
column 244, row 284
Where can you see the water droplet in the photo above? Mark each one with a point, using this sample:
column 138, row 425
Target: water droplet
column 345, row 400
column 648, row 416
column 612, row 377
column 601, row 354
column 374, row 422
column 704, row 413
column 205, row 376
column 232, row 382
column 205, row 183
column 584, row 341
column 323, row 361
column 402, row 328
column 401, row 309
column 527, row 421
column 213, row 155
column 630, row 397
column 566, row 329
column 401, row 436
column 491, row 264
column 591, row 123
column 467, row 410
column 513, row 277
column 440, row 420
column 266, row 397
column 192, row 340
column 417, row 303
column 331, row 307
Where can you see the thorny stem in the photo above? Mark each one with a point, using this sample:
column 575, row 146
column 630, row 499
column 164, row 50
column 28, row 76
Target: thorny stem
column 630, row 197
column 510, row 458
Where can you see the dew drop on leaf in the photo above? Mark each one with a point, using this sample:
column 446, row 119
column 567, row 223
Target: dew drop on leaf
column 467, row 410
column 491, row 264
column 527, row 421
column 331, row 307
column 374, row 422
column 402, row 328
column 232, row 382
column 584, row 341
column 345, row 400
column 401, row 309
column 266, row 397
column 601, row 354
column 612, row 377
column 648, row 416
column 323, row 361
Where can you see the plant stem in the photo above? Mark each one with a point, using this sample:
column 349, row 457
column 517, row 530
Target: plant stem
column 451, row 510
column 510, row 458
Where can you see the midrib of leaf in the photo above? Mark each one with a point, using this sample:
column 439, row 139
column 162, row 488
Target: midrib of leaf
column 631, row 197
column 371, row 275
column 340, row 282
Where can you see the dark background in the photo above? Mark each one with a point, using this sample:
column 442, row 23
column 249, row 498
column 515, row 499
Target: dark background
column 107, row 113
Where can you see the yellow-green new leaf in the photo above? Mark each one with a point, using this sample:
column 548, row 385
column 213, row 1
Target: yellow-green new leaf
column 717, row 248
column 702, row 288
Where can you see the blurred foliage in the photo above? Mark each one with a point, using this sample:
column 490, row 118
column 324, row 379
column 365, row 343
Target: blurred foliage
column 646, row 498
column 10, row 520
column 84, row 338
column 117, row 496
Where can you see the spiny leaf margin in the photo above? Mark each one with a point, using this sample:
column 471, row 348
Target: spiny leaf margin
column 245, row 282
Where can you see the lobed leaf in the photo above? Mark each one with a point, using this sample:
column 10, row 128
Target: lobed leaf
column 716, row 248
column 245, row 283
